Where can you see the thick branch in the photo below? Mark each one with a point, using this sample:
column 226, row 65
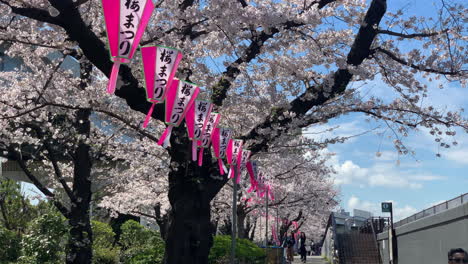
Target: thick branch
column 316, row 96
column 34, row 13
column 17, row 157
column 257, row 41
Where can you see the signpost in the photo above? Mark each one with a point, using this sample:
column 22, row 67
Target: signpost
column 392, row 241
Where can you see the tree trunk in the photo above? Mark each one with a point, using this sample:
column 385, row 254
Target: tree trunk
column 79, row 248
column 189, row 234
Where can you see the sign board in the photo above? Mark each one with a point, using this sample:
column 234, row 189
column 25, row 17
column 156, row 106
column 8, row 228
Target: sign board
column 386, row 207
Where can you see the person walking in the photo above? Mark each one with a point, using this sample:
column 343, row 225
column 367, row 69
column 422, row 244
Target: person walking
column 289, row 243
column 310, row 252
column 302, row 247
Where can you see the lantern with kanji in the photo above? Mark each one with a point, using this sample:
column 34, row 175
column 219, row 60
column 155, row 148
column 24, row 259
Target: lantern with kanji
column 196, row 121
column 221, row 138
column 180, row 97
column 234, row 155
column 126, row 21
column 207, row 133
column 159, row 66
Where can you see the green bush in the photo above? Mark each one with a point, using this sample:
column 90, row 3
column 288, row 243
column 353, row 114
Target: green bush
column 140, row 245
column 10, row 247
column 45, row 240
column 103, row 238
column 246, row 251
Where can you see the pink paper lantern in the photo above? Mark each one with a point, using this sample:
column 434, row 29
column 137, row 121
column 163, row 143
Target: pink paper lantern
column 126, row 22
column 221, row 138
column 159, row 66
column 245, row 156
column 252, row 169
column 196, row 121
column 180, row 97
column 207, row 133
column 234, row 154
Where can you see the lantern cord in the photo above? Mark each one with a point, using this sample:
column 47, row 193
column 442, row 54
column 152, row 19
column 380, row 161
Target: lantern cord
column 194, row 150
column 148, row 116
column 222, row 168
column 113, row 78
column 200, row 157
column 238, row 176
column 165, row 137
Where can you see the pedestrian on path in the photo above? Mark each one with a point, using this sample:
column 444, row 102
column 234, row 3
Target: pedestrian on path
column 302, row 247
column 288, row 243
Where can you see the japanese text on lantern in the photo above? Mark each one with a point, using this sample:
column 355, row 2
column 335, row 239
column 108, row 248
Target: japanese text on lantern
column 225, row 135
column 201, row 112
column 245, row 157
column 209, row 129
column 165, row 62
column 130, row 15
column 254, row 169
column 236, row 147
column 184, row 94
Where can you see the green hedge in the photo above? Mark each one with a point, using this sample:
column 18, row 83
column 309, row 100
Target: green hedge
column 246, row 251
column 140, row 245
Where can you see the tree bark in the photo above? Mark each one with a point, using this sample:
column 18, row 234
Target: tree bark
column 79, row 248
column 189, row 234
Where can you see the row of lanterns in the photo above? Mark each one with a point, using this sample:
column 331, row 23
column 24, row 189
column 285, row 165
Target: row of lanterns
column 125, row 24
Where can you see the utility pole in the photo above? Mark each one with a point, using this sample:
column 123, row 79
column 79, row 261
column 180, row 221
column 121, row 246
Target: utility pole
column 234, row 218
column 266, row 219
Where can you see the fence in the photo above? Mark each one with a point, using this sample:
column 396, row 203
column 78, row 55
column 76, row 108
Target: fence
column 434, row 209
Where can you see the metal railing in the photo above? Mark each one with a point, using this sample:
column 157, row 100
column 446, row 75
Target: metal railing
column 374, row 226
column 434, row 209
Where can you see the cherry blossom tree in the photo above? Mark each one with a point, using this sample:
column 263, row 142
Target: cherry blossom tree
column 270, row 67
column 302, row 188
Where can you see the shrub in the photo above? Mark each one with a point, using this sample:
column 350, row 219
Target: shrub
column 103, row 238
column 10, row 247
column 45, row 240
column 246, row 251
column 140, row 245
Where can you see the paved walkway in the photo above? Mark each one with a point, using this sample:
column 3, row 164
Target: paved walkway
column 310, row 260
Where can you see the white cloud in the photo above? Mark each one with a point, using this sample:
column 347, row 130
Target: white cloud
column 403, row 212
column 375, row 208
column 380, row 174
column 458, row 156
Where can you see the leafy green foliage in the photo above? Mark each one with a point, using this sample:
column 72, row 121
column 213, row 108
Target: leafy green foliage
column 10, row 247
column 245, row 251
column 16, row 210
column 140, row 245
column 103, row 250
column 45, row 239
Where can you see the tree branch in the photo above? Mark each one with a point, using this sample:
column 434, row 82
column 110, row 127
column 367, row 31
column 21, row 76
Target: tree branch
column 18, row 157
column 414, row 35
column 316, row 96
column 414, row 66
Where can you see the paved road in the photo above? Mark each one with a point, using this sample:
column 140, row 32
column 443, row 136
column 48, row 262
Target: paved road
column 310, row 260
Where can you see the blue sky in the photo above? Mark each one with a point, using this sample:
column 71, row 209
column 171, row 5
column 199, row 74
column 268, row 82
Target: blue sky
column 414, row 182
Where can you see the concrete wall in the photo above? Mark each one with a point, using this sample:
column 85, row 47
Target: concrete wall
column 429, row 239
column 327, row 247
